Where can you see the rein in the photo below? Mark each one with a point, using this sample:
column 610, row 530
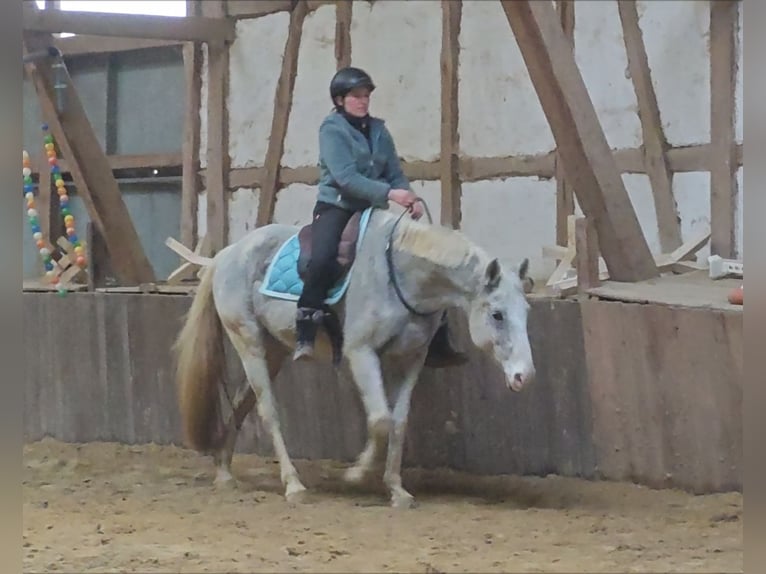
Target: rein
column 390, row 260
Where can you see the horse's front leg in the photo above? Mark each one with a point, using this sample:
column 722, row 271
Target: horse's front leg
column 365, row 368
column 392, row 477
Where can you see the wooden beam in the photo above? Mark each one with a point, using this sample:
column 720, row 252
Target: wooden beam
column 450, row 139
column 187, row 29
column 135, row 161
column 343, row 16
column 630, row 160
column 48, row 204
column 723, row 167
column 655, row 144
column 190, row 184
column 283, row 101
column 586, row 255
column 588, row 161
column 249, row 9
column 218, row 160
column 565, row 202
column 90, row 169
column 87, row 44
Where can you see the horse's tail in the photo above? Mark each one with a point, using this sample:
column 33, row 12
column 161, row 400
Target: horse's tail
column 199, row 369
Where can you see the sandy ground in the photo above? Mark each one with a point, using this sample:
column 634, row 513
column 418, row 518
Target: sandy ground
column 113, row 508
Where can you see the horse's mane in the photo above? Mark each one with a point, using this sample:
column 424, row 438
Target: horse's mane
column 437, row 244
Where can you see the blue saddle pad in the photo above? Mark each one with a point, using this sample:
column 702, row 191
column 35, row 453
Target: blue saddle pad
column 282, row 280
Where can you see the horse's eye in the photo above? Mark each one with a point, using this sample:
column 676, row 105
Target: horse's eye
column 497, row 316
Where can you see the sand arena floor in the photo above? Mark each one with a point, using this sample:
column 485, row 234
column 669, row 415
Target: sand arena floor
column 115, row 508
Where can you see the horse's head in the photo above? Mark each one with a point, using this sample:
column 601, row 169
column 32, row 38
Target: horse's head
column 498, row 322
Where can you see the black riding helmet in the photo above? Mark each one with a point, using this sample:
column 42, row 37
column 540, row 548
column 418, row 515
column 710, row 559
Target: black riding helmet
column 346, row 79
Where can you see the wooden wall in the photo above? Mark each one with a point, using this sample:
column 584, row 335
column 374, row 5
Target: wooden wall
column 624, row 392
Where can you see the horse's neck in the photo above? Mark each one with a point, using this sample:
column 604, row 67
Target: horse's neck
column 432, row 279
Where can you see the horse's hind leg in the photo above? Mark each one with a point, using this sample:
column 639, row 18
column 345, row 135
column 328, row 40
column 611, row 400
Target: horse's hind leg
column 242, row 403
column 251, row 349
column 365, row 368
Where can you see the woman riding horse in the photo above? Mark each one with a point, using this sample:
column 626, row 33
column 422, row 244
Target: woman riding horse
column 359, row 168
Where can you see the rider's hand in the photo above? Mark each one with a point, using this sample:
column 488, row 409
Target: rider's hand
column 417, row 210
column 403, row 197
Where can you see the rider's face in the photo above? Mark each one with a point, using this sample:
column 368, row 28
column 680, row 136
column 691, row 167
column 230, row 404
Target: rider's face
column 357, row 102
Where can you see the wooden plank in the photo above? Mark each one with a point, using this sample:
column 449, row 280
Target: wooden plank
column 90, row 169
column 87, row 44
column 565, row 202
column 723, row 167
column 655, row 144
column 187, row 29
column 588, row 161
column 343, row 17
column 587, row 255
column 450, row 139
column 283, row 101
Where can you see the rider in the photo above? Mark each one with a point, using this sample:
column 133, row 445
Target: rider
column 359, row 168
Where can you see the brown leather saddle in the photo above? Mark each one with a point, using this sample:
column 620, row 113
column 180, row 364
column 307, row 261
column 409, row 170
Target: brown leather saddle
column 346, row 247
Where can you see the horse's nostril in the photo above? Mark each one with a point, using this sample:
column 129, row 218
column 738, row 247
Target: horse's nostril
column 517, row 377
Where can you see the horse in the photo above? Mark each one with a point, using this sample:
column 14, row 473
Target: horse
column 405, row 273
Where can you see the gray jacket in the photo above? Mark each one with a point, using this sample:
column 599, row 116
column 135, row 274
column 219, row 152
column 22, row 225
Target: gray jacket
column 350, row 175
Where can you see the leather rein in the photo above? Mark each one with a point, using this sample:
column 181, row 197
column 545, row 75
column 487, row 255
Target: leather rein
column 390, row 260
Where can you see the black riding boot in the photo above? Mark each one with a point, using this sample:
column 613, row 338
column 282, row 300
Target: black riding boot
column 441, row 353
column 306, row 321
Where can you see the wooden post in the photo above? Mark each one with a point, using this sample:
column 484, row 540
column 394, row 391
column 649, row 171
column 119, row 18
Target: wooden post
column 450, row 139
column 723, row 164
column 218, row 160
column 90, row 168
column 191, row 143
column 343, row 16
column 283, row 101
column 565, row 203
column 587, row 254
column 582, row 146
column 655, row 144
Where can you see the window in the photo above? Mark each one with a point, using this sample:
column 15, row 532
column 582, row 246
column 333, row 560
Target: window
column 155, row 7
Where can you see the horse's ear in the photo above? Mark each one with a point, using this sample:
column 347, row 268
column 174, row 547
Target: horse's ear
column 523, row 269
column 493, row 274
column 526, row 281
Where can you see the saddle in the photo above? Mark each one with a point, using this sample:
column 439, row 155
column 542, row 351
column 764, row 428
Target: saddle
column 346, row 247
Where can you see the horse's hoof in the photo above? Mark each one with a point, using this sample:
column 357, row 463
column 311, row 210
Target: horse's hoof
column 223, row 478
column 354, row 475
column 296, row 494
column 404, row 501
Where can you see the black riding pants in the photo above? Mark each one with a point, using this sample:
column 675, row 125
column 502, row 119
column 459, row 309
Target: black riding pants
column 322, row 272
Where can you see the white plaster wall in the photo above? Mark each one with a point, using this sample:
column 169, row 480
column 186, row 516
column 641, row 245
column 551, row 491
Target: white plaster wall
column 255, row 61
column 311, row 98
column 512, row 218
column 500, row 114
column 399, row 44
column 600, row 55
column 676, row 38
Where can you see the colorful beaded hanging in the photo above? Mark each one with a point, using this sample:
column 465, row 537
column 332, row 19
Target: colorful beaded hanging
column 33, row 215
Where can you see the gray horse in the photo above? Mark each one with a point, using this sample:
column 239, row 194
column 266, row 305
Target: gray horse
column 431, row 268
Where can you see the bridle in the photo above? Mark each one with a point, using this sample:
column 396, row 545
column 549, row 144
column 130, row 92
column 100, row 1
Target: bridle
column 390, row 259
